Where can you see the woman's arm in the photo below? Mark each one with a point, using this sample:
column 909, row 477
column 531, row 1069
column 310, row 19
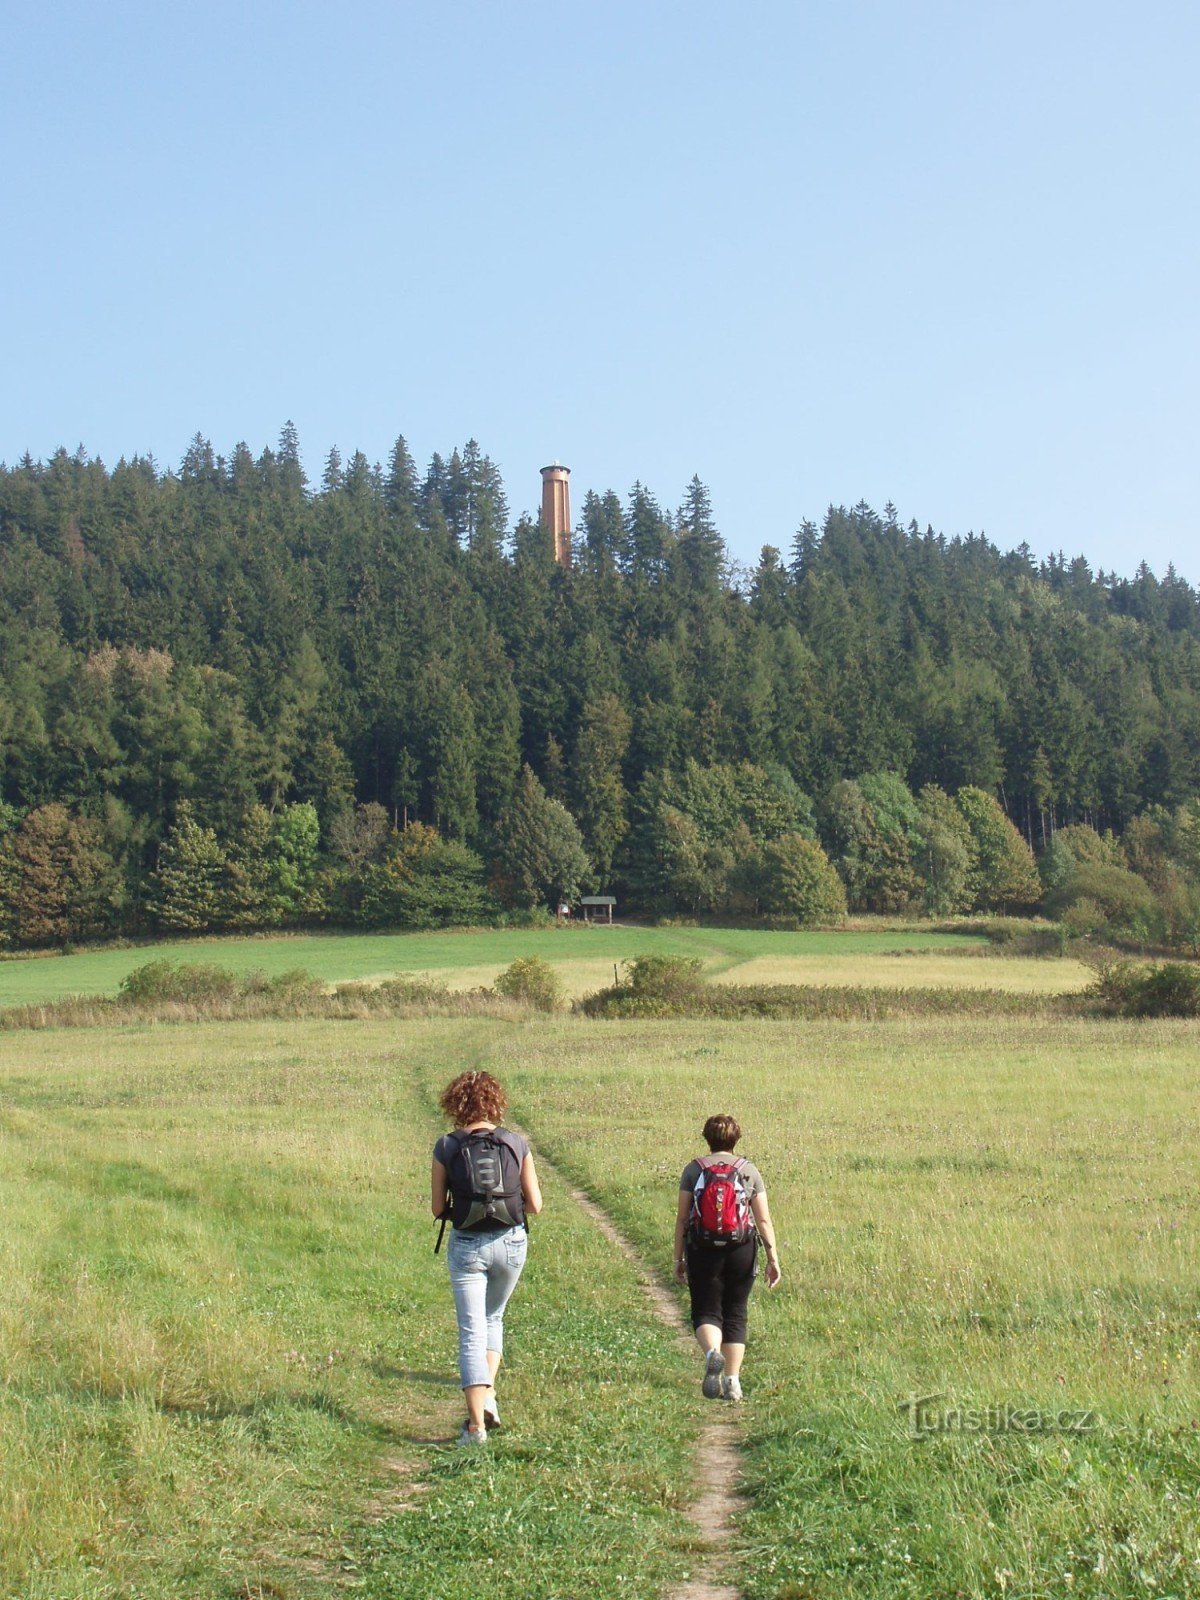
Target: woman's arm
column 437, row 1188
column 766, row 1232
column 682, row 1212
column 531, row 1189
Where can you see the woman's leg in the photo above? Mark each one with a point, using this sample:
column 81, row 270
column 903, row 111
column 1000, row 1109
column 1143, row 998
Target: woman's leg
column 705, row 1272
column 704, row 1291
column 506, row 1260
column 733, row 1354
column 741, row 1264
column 469, row 1283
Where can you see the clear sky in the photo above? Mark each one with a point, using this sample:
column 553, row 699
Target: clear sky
column 933, row 251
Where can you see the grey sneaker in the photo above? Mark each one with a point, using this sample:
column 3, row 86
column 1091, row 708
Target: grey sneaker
column 470, row 1435
column 731, row 1388
column 714, row 1367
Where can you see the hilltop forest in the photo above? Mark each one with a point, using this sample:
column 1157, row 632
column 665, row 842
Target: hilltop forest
column 232, row 698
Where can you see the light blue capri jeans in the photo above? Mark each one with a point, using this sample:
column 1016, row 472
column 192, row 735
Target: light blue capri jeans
column 484, row 1268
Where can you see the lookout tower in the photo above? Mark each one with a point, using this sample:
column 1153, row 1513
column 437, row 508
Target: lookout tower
column 556, row 510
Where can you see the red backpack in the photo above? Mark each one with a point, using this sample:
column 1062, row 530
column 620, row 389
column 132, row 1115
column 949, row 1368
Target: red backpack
column 721, row 1212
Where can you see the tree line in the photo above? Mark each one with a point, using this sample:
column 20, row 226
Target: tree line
column 232, row 698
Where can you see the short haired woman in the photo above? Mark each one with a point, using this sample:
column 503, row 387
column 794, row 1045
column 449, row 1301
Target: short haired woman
column 486, row 1252
column 720, row 1273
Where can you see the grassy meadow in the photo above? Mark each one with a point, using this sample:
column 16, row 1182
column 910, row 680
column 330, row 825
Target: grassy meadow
column 228, row 1351
column 584, row 956
column 1000, row 1213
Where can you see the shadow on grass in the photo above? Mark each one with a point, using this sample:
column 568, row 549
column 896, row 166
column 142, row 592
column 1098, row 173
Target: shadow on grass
column 387, row 1369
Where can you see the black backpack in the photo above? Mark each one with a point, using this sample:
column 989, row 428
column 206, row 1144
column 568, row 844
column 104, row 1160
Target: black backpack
column 483, row 1179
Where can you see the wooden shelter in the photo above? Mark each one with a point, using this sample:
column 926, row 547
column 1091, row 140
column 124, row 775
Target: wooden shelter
column 598, row 903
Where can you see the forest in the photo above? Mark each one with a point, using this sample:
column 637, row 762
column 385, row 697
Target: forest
column 232, row 698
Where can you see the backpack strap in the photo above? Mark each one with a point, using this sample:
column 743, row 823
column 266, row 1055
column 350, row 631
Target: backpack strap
column 445, row 1216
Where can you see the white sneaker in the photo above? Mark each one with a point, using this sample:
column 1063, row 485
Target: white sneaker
column 714, row 1367
column 470, row 1435
column 491, row 1413
column 731, row 1388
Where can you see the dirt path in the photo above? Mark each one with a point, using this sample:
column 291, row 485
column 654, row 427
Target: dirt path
column 718, row 1445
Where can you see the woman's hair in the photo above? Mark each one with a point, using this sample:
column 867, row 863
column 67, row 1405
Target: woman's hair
column 722, row 1133
column 473, row 1097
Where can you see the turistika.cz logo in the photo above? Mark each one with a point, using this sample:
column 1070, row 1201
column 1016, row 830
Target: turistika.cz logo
column 929, row 1414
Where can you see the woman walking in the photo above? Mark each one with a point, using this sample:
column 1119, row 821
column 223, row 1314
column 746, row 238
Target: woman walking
column 485, row 1181
column 722, row 1214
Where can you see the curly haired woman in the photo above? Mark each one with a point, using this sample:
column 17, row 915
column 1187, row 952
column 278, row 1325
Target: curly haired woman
column 487, row 1248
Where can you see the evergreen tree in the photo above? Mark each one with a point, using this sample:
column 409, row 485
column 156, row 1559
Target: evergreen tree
column 188, row 890
column 701, row 549
column 448, row 756
column 247, row 900
column 600, row 797
column 539, row 855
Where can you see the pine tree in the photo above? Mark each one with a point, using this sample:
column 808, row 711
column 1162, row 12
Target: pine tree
column 539, row 856
column 446, row 722
column 701, row 548
column 600, row 797
column 246, row 899
column 188, row 889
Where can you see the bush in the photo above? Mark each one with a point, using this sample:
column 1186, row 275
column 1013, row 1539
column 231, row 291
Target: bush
column 662, row 977
column 810, row 1002
column 1084, row 918
column 294, row 984
column 179, row 981
column 1122, row 901
column 194, row 983
column 1169, row 989
column 532, row 982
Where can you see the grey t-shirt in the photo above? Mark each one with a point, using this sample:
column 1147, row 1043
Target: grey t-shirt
column 517, row 1143
column 750, row 1175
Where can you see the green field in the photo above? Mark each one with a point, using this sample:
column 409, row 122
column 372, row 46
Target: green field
column 229, row 1354
column 585, row 957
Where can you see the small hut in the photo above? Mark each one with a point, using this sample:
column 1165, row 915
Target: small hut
column 596, row 905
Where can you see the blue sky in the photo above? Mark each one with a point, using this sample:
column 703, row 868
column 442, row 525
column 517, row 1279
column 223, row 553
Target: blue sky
column 943, row 254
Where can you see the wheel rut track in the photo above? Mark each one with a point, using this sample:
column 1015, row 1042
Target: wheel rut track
column 713, row 1513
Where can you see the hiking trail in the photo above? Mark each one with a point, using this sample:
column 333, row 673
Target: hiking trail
column 714, row 1511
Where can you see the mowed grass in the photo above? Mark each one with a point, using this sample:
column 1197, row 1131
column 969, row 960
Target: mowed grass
column 931, row 969
column 999, row 1213
column 470, row 958
column 228, row 1353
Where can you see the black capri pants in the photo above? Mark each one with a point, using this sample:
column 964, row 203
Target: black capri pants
column 720, row 1278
